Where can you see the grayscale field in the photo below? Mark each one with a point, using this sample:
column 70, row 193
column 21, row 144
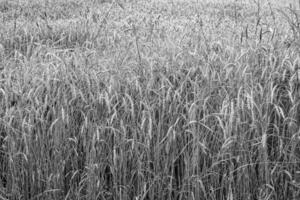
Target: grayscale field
column 149, row 100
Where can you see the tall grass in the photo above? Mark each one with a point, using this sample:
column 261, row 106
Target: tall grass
column 148, row 101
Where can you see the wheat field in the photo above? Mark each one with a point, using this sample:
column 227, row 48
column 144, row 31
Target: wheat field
column 149, row 100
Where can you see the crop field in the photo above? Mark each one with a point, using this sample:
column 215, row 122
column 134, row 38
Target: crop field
column 149, row 100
